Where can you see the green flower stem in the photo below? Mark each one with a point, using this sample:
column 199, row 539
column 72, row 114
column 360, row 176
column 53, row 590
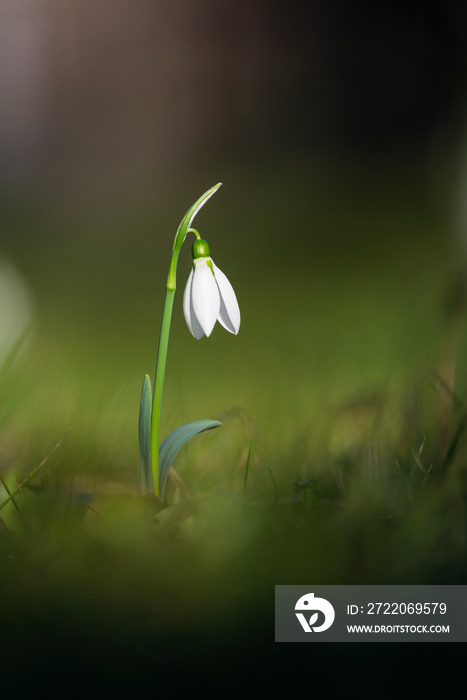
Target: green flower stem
column 180, row 236
column 159, row 384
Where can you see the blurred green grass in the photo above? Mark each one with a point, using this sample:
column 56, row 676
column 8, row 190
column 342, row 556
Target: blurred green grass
column 335, row 377
column 341, row 293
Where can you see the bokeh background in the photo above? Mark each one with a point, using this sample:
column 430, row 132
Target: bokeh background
column 338, row 130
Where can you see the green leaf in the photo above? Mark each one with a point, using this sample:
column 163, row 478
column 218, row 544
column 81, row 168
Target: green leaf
column 172, row 444
column 173, row 516
column 145, row 408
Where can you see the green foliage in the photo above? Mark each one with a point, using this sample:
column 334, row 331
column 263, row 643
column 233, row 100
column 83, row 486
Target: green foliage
column 174, row 442
column 145, row 409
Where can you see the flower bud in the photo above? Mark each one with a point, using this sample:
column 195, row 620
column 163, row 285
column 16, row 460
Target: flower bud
column 200, row 249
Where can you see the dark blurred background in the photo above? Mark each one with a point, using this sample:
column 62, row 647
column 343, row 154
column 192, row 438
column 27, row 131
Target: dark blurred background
column 106, row 94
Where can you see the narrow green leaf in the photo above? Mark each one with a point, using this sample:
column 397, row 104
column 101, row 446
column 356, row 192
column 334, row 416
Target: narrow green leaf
column 247, row 467
column 34, row 472
column 147, row 481
column 172, row 444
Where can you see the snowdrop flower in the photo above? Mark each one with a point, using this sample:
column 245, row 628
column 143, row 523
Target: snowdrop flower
column 208, row 296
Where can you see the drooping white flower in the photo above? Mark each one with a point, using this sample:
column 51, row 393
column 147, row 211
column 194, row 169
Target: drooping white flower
column 208, row 296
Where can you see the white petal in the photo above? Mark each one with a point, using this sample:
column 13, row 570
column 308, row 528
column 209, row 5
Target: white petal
column 205, row 296
column 190, row 318
column 229, row 313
